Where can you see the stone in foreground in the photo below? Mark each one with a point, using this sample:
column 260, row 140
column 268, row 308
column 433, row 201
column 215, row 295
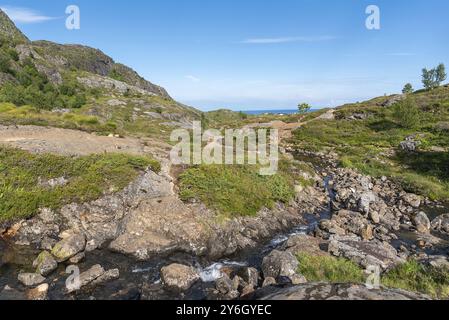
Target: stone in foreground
column 179, row 277
column 324, row 291
column 45, row 264
column 69, row 247
column 30, row 279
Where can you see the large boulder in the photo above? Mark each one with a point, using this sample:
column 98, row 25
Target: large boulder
column 366, row 253
column 279, row 264
column 30, row 279
column 96, row 275
column 45, row 264
column 69, row 247
column 326, row 291
column 441, row 223
column 421, row 222
column 179, row 277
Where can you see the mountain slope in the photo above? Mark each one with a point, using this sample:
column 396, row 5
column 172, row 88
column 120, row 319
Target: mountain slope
column 9, row 31
column 78, row 87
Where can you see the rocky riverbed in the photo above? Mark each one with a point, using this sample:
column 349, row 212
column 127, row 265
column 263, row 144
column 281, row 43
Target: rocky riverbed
column 144, row 243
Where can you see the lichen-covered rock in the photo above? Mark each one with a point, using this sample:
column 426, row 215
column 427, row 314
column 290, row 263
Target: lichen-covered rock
column 45, row 264
column 69, row 247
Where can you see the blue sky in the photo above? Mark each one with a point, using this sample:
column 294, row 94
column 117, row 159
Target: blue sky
column 255, row 54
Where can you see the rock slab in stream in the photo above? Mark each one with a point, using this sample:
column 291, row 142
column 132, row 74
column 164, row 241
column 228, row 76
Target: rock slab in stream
column 322, row 291
column 179, row 277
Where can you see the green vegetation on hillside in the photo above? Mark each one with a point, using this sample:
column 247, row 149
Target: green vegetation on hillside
column 414, row 276
column 329, row 269
column 23, row 176
column 411, row 276
column 367, row 137
column 234, row 190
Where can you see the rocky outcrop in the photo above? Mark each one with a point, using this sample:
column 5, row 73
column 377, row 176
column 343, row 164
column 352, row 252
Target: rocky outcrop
column 322, row 291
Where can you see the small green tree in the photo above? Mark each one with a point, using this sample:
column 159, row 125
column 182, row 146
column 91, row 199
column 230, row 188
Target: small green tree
column 428, row 78
column 406, row 113
column 304, row 108
column 408, row 88
column 433, row 78
column 440, row 73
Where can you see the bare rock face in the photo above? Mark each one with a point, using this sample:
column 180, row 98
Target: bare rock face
column 322, row 291
column 159, row 226
column 179, row 277
column 69, row 247
column 279, row 264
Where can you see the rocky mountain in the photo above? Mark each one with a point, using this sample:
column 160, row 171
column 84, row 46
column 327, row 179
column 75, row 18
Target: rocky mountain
column 54, row 59
column 9, row 30
column 86, row 87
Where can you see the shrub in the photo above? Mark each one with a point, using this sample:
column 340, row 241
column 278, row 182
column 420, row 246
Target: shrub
column 413, row 276
column 234, row 190
column 406, row 113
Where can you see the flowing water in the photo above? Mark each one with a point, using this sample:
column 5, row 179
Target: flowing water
column 135, row 275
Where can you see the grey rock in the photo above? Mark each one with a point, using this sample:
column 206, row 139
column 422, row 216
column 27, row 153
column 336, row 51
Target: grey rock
column 366, row 254
column 278, row 264
column 323, row 291
column 441, row 223
column 269, row 282
column 69, row 247
column 77, row 258
column 421, row 222
column 179, row 277
column 30, row 279
column 412, row 200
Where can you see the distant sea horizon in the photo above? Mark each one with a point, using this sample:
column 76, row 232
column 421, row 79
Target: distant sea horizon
column 278, row 111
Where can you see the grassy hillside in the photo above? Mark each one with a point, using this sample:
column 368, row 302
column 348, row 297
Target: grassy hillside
column 25, row 186
column 367, row 136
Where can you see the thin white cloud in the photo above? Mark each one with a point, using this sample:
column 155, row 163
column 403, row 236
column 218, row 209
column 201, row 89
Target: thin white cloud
column 193, row 78
column 287, row 40
column 25, row 15
column 401, row 54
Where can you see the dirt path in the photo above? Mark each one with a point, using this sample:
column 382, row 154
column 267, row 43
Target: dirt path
column 286, row 129
column 74, row 143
